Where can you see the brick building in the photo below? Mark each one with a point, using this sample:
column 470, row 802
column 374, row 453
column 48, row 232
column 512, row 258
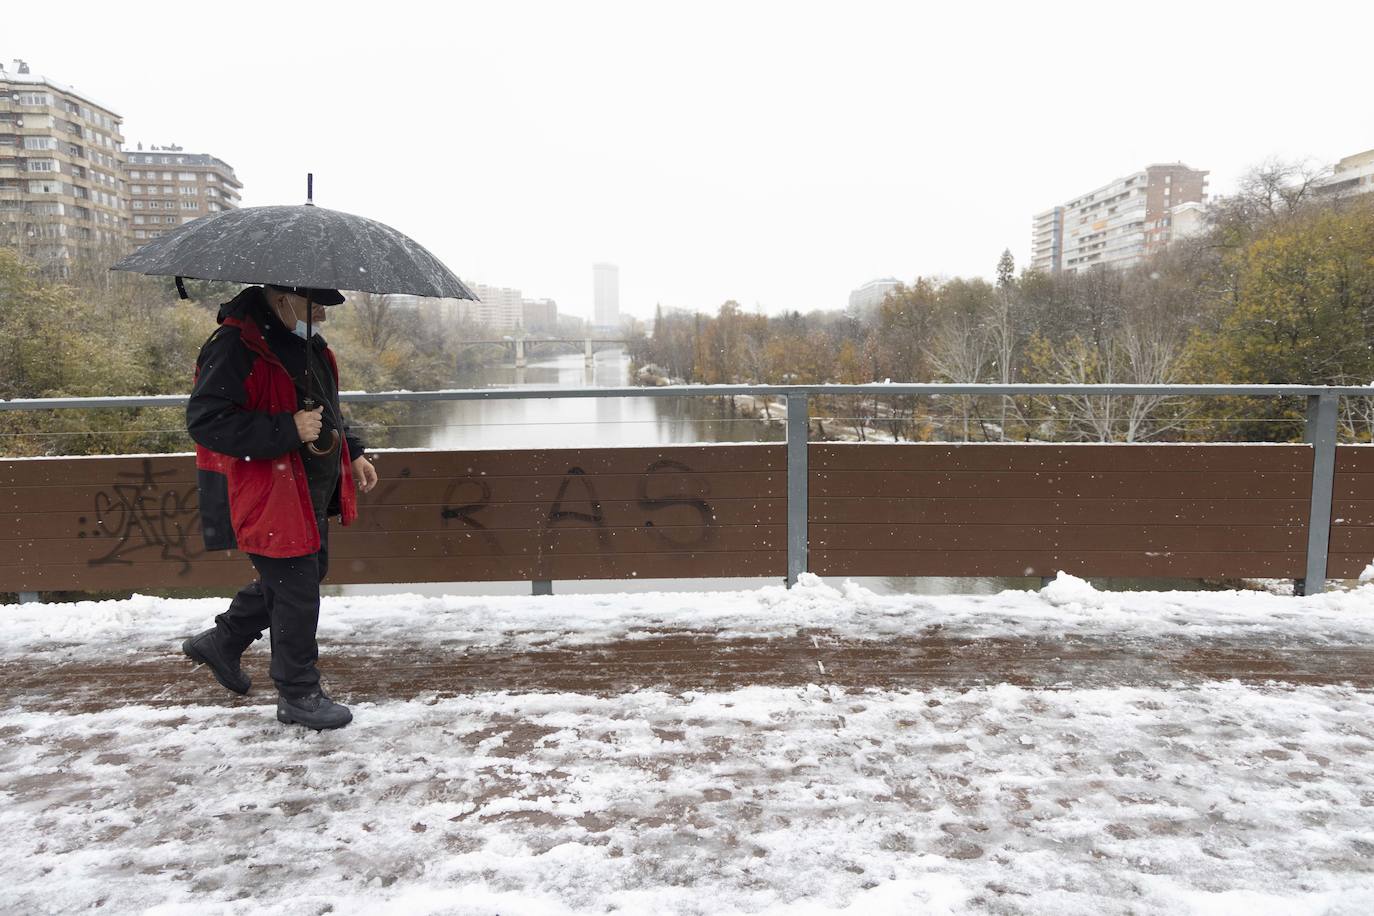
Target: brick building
column 168, row 186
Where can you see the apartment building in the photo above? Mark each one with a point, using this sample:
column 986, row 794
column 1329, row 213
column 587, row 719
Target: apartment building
column 1047, row 241
column 61, row 159
column 499, row 308
column 1121, row 223
column 540, row 316
column 1352, row 175
column 868, row 297
column 168, row 186
column 606, row 297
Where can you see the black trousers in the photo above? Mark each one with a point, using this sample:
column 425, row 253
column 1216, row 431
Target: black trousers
column 285, row 598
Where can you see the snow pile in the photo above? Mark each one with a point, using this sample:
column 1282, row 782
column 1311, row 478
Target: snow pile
column 1073, row 592
column 1067, row 606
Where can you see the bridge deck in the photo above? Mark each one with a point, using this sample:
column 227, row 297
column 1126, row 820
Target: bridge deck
column 646, row 753
column 684, row 662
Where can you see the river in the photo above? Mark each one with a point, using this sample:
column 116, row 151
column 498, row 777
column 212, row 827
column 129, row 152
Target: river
column 581, row 422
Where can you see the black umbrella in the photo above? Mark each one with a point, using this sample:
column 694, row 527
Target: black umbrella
column 297, row 246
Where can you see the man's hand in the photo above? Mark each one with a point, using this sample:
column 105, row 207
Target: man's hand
column 308, row 424
column 364, row 474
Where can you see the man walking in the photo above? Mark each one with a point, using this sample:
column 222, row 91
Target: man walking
column 270, row 475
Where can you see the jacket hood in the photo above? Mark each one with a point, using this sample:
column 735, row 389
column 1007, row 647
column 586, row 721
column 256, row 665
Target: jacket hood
column 251, row 303
column 244, row 305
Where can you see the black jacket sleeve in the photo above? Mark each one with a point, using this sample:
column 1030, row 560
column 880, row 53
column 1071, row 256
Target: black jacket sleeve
column 355, row 445
column 216, row 416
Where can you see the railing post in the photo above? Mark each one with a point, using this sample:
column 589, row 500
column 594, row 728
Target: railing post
column 1322, row 415
column 798, row 424
column 590, row 357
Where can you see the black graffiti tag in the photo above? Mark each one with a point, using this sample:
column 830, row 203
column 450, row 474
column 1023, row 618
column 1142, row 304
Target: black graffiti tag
column 146, row 516
column 557, row 513
column 704, row 534
column 576, row 476
column 464, row 512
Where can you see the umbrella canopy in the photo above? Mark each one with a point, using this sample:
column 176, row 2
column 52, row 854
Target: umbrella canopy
column 301, row 245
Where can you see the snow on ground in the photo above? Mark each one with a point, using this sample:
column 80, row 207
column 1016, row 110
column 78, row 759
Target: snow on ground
column 1067, row 606
column 1208, row 798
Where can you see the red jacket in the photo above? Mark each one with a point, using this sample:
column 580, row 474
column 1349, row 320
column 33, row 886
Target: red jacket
column 253, row 490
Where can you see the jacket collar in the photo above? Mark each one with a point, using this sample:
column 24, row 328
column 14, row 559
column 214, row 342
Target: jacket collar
column 244, row 312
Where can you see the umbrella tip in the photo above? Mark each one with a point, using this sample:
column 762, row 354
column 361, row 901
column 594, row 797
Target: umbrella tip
column 310, row 189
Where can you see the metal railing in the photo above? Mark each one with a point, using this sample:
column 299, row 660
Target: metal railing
column 1321, row 427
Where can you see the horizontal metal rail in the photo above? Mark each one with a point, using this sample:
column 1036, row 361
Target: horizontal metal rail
column 1321, row 429
column 781, row 391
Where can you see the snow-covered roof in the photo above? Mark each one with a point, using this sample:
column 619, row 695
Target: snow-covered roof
column 37, row 79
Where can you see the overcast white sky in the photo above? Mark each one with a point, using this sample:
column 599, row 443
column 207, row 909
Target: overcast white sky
column 779, row 154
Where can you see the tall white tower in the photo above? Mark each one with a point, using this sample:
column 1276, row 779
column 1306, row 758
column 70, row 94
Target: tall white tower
column 606, row 297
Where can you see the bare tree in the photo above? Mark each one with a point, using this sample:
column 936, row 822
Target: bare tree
column 1004, row 335
column 961, row 349
column 377, row 320
column 1275, row 189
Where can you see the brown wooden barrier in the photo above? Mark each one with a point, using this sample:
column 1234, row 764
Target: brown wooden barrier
column 688, row 511
column 1352, row 512
column 1032, row 510
column 117, row 523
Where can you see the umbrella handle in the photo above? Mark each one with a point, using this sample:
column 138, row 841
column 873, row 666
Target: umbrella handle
column 327, row 450
column 311, row 404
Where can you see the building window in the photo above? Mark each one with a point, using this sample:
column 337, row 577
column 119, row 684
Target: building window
column 135, row 174
column 42, row 165
column 189, row 205
column 189, row 190
column 139, row 220
column 135, row 189
column 140, row 234
column 40, row 143
column 166, row 176
column 34, row 98
column 186, row 176
column 137, row 205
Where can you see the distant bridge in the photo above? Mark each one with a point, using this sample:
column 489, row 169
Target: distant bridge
column 520, row 345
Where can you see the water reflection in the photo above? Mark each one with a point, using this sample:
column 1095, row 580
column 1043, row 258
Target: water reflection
column 578, row 422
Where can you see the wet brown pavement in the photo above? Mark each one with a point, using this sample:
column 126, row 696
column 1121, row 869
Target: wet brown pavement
column 679, row 662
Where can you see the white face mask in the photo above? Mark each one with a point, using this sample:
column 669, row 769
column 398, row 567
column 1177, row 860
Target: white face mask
column 300, row 329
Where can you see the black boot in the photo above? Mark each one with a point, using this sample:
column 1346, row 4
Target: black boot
column 210, row 648
column 314, row 710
